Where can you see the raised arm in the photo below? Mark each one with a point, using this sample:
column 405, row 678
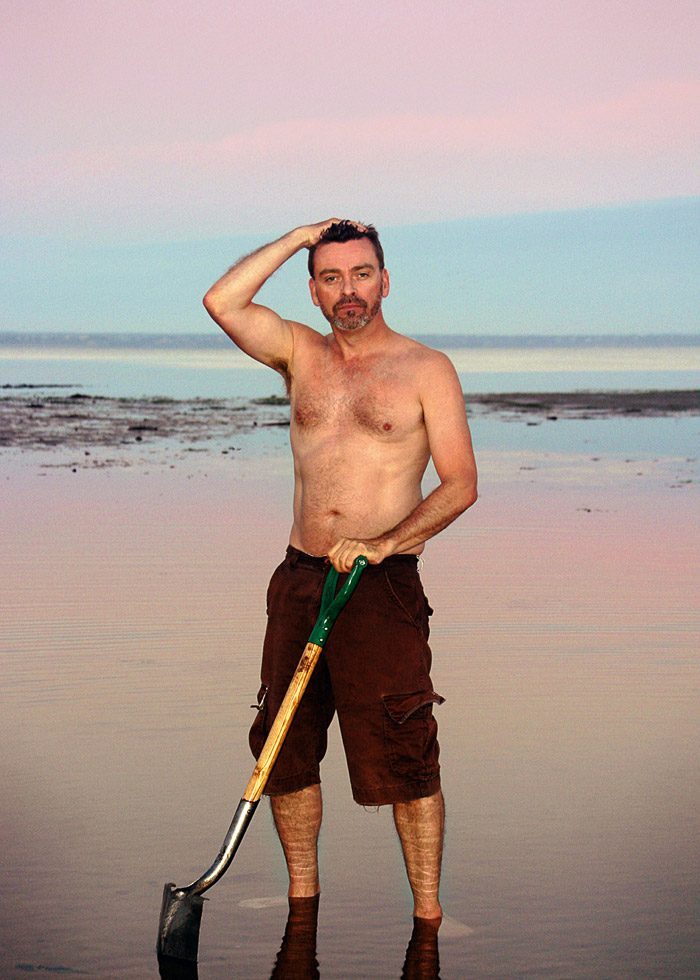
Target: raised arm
column 450, row 445
column 257, row 330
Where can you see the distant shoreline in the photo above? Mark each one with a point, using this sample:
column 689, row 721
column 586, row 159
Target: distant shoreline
column 215, row 340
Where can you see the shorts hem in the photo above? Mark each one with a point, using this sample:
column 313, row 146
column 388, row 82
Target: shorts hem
column 404, row 792
column 291, row 784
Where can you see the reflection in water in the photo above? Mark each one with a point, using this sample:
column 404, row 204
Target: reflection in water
column 422, row 958
column 296, row 959
column 171, row 969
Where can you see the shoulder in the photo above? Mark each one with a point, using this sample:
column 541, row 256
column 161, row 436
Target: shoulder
column 428, row 363
column 306, row 336
column 436, row 381
column 308, row 346
column 307, row 343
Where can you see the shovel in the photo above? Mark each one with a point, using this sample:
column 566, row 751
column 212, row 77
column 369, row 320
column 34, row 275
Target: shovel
column 181, row 911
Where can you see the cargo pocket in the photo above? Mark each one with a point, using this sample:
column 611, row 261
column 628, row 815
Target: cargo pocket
column 258, row 730
column 410, row 733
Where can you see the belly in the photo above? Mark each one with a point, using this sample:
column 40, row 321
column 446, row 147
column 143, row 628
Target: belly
column 352, row 487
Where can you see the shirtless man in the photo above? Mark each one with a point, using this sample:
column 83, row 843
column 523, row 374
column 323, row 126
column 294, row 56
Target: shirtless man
column 369, row 407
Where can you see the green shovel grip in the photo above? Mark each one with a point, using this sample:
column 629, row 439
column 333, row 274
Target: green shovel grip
column 331, row 604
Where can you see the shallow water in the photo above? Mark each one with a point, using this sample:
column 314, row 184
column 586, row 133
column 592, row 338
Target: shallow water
column 208, row 365
column 565, row 641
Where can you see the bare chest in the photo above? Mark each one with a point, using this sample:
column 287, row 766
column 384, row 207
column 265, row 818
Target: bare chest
column 373, row 400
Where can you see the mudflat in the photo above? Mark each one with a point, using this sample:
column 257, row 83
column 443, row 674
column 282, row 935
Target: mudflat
column 81, row 421
column 565, row 640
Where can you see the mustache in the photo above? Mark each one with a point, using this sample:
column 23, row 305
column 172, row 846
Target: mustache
column 351, row 301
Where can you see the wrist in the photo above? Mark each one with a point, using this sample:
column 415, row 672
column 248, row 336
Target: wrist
column 384, row 545
column 301, row 237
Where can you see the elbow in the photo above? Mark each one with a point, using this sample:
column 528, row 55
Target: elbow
column 217, row 310
column 223, row 311
column 211, row 305
column 468, row 496
column 462, row 494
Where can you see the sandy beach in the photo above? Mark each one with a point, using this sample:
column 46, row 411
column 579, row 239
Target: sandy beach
column 565, row 640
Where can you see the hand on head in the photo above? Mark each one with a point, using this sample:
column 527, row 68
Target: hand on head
column 316, row 230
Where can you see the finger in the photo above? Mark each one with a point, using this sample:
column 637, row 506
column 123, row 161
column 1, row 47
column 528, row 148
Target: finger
column 340, row 564
column 343, row 554
column 334, row 551
column 335, row 556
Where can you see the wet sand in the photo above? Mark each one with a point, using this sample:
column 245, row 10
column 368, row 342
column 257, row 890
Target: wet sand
column 565, row 640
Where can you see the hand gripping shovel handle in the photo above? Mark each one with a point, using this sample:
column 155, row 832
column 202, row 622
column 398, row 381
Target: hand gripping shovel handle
column 181, row 912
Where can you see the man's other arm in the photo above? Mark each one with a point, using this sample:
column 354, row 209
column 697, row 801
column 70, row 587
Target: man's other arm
column 450, row 445
column 257, row 330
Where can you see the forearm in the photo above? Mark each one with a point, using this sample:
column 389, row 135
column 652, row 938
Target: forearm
column 442, row 506
column 237, row 288
column 450, row 499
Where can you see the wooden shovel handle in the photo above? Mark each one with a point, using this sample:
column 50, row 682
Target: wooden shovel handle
column 280, row 726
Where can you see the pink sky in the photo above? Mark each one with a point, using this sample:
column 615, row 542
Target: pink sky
column 151, row 119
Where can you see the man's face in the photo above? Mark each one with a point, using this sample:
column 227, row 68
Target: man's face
column 348, row 285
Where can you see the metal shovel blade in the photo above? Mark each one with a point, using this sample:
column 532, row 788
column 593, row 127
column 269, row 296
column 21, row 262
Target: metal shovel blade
column 180, row 919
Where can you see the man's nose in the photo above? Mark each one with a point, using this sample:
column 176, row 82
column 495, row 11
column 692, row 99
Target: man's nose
column 346, row 287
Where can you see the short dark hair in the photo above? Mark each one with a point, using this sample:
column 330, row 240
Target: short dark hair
column 346, row 231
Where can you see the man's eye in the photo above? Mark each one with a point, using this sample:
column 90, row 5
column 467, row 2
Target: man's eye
column 329, row 279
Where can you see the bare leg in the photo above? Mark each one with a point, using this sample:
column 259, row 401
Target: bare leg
column 421, row 828
column 297, row 818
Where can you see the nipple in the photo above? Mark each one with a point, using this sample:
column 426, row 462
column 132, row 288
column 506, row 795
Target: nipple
column 387, row 426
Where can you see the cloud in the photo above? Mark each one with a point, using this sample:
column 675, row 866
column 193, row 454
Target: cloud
column 396, row 168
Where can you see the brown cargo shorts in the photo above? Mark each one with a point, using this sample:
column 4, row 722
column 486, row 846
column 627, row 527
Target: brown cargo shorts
column 374, row 671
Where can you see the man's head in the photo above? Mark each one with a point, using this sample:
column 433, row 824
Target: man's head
column 348, row 231
column 348, row 279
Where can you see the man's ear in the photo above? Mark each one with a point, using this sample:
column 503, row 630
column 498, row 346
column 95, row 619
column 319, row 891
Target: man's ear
column 312, row 290
column 385, row 283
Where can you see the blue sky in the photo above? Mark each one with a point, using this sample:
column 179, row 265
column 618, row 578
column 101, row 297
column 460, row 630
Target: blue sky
column 629, row 269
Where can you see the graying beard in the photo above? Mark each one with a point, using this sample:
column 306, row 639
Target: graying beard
column 360, row 321
column 355, row 324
